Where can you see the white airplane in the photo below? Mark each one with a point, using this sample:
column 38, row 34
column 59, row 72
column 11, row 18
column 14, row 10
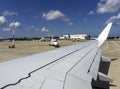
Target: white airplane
column 72, row 67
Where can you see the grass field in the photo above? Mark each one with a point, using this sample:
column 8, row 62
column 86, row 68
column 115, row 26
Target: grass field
column 110, row 49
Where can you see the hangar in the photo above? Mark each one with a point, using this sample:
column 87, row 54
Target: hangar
column 75, row 37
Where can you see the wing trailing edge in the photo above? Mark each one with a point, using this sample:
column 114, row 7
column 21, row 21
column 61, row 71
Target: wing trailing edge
column 104, row 34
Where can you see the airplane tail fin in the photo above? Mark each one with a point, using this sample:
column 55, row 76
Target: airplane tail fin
column 104, row 34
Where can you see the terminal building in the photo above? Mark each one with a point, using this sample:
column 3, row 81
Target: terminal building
column 79, row 37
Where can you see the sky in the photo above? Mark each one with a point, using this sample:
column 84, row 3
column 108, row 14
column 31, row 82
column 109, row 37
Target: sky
column 35, row 18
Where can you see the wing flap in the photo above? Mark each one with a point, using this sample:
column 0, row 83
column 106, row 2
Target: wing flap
column 94, row 69
column 103, row 77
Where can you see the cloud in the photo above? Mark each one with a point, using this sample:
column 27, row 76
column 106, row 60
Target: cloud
column 14, row 25
column 91, row 13
column 52, row 15
column 6, row 29
column 114, row 19
column 44, row 29
column 108, row 6
column 56, row 14
column 70, row 23
column 8, row 13
column 2, row 20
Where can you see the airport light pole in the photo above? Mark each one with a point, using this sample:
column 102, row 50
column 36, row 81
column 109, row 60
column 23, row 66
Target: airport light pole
column 13, row 29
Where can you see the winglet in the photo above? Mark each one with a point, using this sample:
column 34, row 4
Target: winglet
column 104, row 34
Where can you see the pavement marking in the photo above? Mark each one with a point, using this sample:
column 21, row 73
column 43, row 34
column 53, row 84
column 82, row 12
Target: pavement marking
column 112, row 51
column 115, row 44
column 106, row 46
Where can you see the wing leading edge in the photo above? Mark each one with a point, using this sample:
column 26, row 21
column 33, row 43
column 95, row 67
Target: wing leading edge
column 71, row 67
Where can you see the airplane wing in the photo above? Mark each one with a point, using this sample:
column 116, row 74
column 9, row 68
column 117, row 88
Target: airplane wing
column 71, row 67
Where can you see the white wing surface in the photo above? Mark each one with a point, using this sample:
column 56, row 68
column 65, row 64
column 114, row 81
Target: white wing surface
column 71, row 67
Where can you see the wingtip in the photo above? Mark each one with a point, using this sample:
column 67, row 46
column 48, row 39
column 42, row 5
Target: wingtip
column 104, row 34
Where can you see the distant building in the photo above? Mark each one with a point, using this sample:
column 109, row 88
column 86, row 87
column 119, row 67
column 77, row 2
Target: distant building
column 79, row 36
column 75, row 37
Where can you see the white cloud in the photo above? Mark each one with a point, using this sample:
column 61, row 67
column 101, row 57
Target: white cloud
column 66, row 19
column 55, row 14
column 6, row 29
column 91, row 13
column 114, row 19
column 44, row 29
column 14, row 25
column 2, row 20
column 8, row 13
column 108, row 6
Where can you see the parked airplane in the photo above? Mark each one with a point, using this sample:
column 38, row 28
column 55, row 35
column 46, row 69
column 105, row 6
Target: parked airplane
column 72, row 67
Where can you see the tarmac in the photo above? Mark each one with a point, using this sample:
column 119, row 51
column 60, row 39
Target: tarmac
column 111, row 49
